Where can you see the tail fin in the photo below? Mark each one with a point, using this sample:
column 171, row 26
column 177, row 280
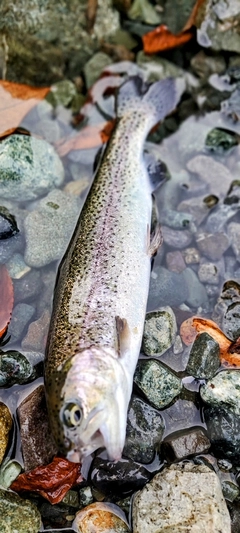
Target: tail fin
column 159, row 99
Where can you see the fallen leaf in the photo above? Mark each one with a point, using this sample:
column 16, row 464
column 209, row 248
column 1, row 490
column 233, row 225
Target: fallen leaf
column 195, row 325
column 6, row 299
column 16, row 100
column 51, row 481
column 91, row 13
column 88, row 137
column 161, row 38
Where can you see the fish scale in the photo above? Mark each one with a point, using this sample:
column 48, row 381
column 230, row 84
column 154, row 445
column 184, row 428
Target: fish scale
column 102, row 286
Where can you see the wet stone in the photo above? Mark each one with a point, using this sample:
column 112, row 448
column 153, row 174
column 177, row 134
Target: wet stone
column 145, row 428
column 8, row 225
column 9, row 246
column 61, row 93
column 35, row 338
column 5, row 428
column 182, row 445
column 195, row 207
column 176, row 238
column 178, row 346
column 30, row 167
column 17, row 267
column 234, row 238
column 9, row 471
column 15, row 368
column 220, row 140
column 213, row 245
column 100, row 517
column 38, row 447
column 182, row 414
column 231, row 321
column 223, row 389
column 94, row 67
column 183, row 497
column 204, row 358
column 215, row 174
column 53, row 221
column 175, row 261
column 17, row 514
column 157, row 382
column 160, row 330
column 208, row 272
column 22, row 314
column 191, row 256
column 118, row 479
column 85, row 496
column 229, row 486
column 196, row 293
column 204, row 65
column 223, row 427
column 28, row 286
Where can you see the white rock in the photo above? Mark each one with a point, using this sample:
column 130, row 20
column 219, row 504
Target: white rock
column 184, row 498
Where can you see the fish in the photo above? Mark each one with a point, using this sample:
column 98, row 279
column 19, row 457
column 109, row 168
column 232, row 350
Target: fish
column 102, row 286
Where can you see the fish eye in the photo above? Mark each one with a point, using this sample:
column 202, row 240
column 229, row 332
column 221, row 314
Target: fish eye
column 72, row 415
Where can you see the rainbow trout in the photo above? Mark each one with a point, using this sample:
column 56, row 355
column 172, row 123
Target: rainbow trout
column 102, row 287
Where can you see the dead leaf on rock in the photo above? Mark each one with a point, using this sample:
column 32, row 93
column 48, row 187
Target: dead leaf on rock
column 6, row 299
column 88, row 137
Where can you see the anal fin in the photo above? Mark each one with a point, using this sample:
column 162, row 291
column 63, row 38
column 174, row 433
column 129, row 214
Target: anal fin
column 123, row 335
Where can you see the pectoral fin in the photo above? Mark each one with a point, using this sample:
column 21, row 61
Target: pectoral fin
column 155, row 240
column 123, row 335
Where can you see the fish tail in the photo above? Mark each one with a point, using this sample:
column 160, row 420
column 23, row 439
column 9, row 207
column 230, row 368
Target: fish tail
column 156, row 100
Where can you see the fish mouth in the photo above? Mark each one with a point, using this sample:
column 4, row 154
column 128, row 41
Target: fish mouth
column 80, row 450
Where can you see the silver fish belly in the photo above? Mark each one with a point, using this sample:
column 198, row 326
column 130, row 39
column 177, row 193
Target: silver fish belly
column 102, row 287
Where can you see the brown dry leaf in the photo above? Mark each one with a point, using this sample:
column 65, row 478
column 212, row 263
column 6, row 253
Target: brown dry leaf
column 6, row 299
column 188, row 332
column 16, row 100
column 88, row 137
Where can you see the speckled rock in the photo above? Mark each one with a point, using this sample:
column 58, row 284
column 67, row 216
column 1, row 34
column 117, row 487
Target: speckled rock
column 30, row 167
column 18, row 515
column 94, row 67
column 8, row 225
column 223, row 427
column 231, row 321
column 220, row 140
column 38, row 447
column 61, row 93
column 21, row 315
column 101, row 517
column 53, row 222
column 182, row 498
column 118, row 479
column 15, row 368
column 223, row 389
column 208, row 272
column 5, row 428
column 160, row 330
column 215, row 18
column 145, row 428
column 182, row 445
column 85, row 496
column 157, row 382
column 204, row 358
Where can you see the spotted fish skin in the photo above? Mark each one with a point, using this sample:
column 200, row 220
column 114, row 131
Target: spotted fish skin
column 102, row 285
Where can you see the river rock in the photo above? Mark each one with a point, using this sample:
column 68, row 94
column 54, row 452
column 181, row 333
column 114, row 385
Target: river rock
column 209, row 272
column 215, row 174
column 28, row 286
column 231, row 322
column 15, row 369
column 210, row 26
column 196, row 294
column 119, row 478
column 53, row 222
column 176, row 238
column 5, row 428
column 8, row 225
column 234, row 237
column 30, row 167
column 9, row 471
column 35, row 339
column 38, row 447
column 223, row 427
column 18, row 515
column 17, row 267
column 213, row 245
column 204, row 358
column 182, row 445
column 55, row 41
column 175, row 261
column 160, row 330
column 145, row 428
column 219, row 140
column 100, row 517
column 223, row 390
column 183, row 497
column 157, row 382
column 22, row 314
column 9, row 246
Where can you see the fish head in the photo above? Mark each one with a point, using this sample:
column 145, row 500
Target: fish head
column 93, row 405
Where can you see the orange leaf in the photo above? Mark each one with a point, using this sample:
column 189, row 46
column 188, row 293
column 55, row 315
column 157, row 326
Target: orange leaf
column 6, row 299
column 188, row 332
column 162, row 39
column 196, row 11
column 16, row 100
column 88, row 137
column 51, row 481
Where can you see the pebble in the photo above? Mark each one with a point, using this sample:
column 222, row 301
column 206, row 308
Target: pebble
column 175, row 261
column 8, row 225
column 61, row 93
column 183, row 497
column 37, row 443
column 101, row 518
column 22, row 314
column 185, row 444
column 196, row 207
column 219, row 140
column 223, row 427
column 196, row 294
column 17, row 267
column 223, row 390
column 9, row 471
column 144, row 433
column 15, row 368
column 208, row 272
column 213, row 245
column 94, row 66
column 191, row 256
column 215, row 174
column 182, row 414
column 119, row 478
column 53, row 222
column 27, row 287
column 9, row 246
column 204, row 358
column 176, row 238
column 160, row 329
column 157, row 382
column 36, row 336
column 5, row 428
column 234, row 238
column 166, row 288
column 85, row 496
column 18, row 515
column 30, row 167
column 231, row 322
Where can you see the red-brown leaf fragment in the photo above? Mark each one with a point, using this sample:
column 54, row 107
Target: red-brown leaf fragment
column 6, row 299
column 88, row 137
column 51, row 481
column 162, row 39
